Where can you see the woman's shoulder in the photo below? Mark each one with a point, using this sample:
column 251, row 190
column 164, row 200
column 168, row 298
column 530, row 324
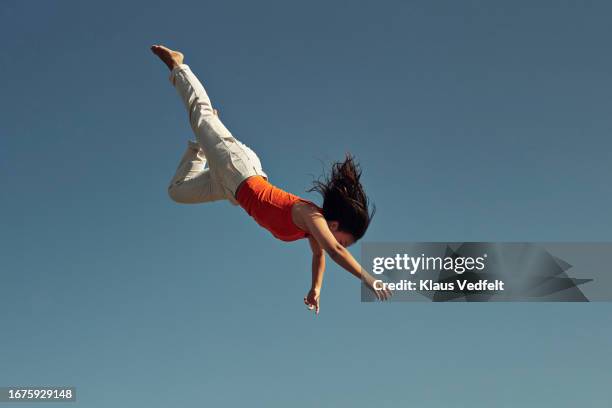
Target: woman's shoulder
column 301, row 211
column 302, row 204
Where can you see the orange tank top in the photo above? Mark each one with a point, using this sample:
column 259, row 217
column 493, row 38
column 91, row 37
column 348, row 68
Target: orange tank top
column 270, row 207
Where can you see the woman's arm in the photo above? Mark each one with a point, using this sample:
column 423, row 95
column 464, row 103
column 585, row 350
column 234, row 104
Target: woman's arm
column 318, row 264
column 317, row 227
column 318, row 270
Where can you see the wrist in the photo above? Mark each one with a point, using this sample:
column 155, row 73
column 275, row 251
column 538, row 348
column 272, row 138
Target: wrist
column 369, row 279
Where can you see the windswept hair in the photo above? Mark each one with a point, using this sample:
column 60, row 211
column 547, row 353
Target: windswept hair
column 344, row 200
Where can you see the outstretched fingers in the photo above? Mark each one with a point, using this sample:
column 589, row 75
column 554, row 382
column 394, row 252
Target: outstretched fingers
column 383, row 294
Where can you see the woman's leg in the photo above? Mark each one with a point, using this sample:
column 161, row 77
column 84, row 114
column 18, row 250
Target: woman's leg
column 193, row 183
column 210, row 133
column 229, row 159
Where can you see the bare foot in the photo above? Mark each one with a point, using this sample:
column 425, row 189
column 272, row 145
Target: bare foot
column 169, row 57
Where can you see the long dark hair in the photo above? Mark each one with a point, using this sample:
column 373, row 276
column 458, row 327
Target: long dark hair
column 344, row 200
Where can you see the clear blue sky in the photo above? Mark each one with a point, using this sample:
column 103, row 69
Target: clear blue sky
column 473, row 120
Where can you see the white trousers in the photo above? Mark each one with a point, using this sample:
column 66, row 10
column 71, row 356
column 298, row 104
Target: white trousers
column 213, row 168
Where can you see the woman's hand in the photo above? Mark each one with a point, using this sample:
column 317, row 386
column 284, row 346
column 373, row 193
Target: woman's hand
column 381, row 294
column 312, row 300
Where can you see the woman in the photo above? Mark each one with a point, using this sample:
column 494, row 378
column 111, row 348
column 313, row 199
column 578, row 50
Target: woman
column 235, row 173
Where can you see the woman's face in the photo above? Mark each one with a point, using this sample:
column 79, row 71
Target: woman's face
column 344, row 238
